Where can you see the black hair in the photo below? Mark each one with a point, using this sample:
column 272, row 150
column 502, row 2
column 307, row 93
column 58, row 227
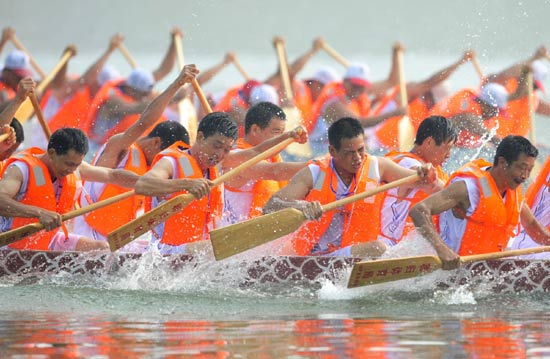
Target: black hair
column 511, row 147
column 346, row 127
column 437, row 127
column 218, row 123
column 169, row 132
column 66, row 139
column 261, row 114
column 18, row 128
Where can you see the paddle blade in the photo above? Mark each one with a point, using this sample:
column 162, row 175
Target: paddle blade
column 130, row 231
column 239, row 237
column 388, row 270
column 17, row 234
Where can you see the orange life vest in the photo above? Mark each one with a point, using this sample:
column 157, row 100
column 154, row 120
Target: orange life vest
column 263, row 189
column 418, row 111
column 539, row 182
column 231, row 100
column 493, row 222
column 40, row 193
column 359, row 106
column 355, row 230
column 10, row 93
column 190, row 223
column 463, row 102
column 303, row 99
column 111, row 88
column 107, row 219
column 516, row 120
column 72, row 113
column 419, row 195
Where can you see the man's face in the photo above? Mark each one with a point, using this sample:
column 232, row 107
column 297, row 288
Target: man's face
column 275, row 128
column 438, row 154
column 518, row 172
column 354, row 90
column 64, row 165
column 212, row 150
column 351, row 154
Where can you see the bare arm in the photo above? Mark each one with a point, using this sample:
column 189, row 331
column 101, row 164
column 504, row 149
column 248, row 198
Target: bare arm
column 169, row 59
column 209, row 74
column 533, row 228
column 515, row 69
column 278, row 171
column 159, row 181
column 115, row 107
column 455, row 195
column 337, row 109
column 26, row 86
column 119, row 144
column 89, row 77
column 10, row 185
column 119, row 177
column 391, row 171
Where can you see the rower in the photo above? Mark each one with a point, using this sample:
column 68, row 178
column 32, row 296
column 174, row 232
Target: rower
column 38, row 184
column 353, row 229
column 481, row 206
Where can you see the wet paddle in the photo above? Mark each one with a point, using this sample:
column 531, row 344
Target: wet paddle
column 293, row 114
column 19, row 233
column 34, row 64
column 40, row 116
column 239, row 237
column 4, row 137
column 26, row 109
column 388, row 270
column 335, row 55
column 405, row 129
column 149, row 220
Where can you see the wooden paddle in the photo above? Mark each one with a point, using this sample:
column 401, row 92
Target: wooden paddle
column 19, row 233
column 34, row 64
column 405, row 129
column 293, row 114
column 124, row 51
column 149, row 220
column 335, row 55
column 40, row 116
column 186, row 109
column 239, row 237
column 388, row 270
column 241, row 69
column 4, row 137
column 26, row 109
column 478, row 69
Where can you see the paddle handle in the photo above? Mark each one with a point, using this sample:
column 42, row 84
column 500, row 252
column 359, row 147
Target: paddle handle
column 49, row 77
column 531, row 107
column 241, row 69
column 200, row 94
column 124, row 51
column 345, row 201
column 40, row 116
column 4, row 137
column 254, row 160
column 478, row 69
column 179, row 50
column 505, row 254
column 34, row 64
column 335, row 55
column 283, row 66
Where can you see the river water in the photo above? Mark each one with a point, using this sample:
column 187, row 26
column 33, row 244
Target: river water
column 153, row 312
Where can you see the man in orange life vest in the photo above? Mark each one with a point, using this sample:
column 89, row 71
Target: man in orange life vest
column 538, row 200
column 118, row 103
column 433, row 143
column 127, row 150
column 180, row 169
column 42, row 185
column 67, row 100
column 474, row 114
column 246, row 194
column 349, row 98
column 347, row 171
column 16, row 67
column 482, row 205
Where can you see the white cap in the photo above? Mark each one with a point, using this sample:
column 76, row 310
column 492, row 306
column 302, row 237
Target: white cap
column 494, row 95
column 358, row 74
column 107, row 73
column 141, row 80
column 325, row 75
column 264, row 93
column 18, row 61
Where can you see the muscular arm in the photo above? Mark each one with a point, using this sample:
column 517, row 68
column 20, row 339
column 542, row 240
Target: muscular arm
column 292, row 195
column 279, row 171
column 532, row 227
column 119, row 177
column 169, row 59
